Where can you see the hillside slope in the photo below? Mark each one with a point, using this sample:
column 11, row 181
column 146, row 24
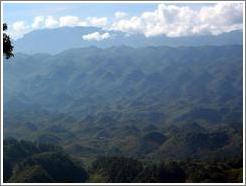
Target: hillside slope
column 146, row 102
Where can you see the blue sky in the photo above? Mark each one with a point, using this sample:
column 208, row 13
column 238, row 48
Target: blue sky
column 26, row 11
column 13, row 12
column 148, row 18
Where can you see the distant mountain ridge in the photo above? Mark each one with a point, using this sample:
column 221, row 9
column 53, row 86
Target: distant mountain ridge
column 56, row 40
column 120, row 91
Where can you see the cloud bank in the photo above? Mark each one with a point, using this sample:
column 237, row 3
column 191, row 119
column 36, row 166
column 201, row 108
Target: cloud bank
column 96, row 36
column 166, row 19
column 176, row 21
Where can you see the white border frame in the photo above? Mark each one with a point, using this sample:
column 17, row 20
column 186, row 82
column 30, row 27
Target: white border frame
column 123, row 2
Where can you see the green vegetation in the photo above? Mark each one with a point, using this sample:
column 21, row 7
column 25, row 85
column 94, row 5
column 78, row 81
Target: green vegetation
column 30, row 162
column 115, row 169
column 121, row 113
column 47, row 166
column 7, row 45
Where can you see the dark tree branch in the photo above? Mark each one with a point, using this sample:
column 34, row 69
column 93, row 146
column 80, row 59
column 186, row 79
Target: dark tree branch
column 7, row 45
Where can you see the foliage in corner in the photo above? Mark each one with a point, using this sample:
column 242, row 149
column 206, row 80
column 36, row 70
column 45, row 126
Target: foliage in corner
column 7, row 45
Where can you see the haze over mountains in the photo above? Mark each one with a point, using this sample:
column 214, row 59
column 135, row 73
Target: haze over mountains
column 103, row 92
column 53, row 41
column 123, row 105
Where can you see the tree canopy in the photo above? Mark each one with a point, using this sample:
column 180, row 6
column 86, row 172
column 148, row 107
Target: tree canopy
column 7, row 45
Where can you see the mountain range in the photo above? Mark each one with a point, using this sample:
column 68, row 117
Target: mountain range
column 128, row 108
column 88, row 95
column 53, row 41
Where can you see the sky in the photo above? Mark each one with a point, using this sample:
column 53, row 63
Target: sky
column 150, row 19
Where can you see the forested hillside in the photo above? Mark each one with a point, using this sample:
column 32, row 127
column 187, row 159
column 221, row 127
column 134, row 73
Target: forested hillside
column 163, row 111
column 27, row 162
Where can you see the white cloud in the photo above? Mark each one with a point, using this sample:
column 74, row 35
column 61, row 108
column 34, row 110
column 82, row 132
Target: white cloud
column 223, row 17
column 83, row 23
column 76, row 21
column 96, row 36
column 38, row 21
column 97, row 21
column 19, row 26
column 166, row 19
column 69, row 21
column 120, row 15
column 51, row 22
column 18, row 29
column 132, row 25
column 175, row 21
